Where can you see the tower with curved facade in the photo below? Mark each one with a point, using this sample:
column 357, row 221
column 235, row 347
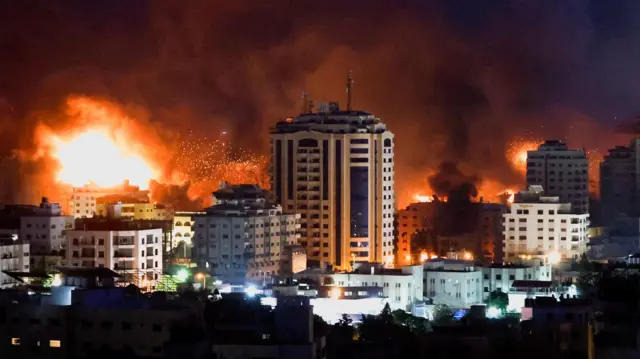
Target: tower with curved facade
column 336, row 168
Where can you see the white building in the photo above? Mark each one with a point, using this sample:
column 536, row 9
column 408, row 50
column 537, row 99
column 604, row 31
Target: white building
column 14, row 257
column 562, row 172
column 540, row 226
column 45, row 228
column 620, row 182
column 501, row 276
column 402, row 287
column 83, row 200
column 456, row 283
column 243, row 237
column 130, row 247
column 336, row 168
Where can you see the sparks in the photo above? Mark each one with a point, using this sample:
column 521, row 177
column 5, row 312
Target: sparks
column 93, row 156
column 517, row 152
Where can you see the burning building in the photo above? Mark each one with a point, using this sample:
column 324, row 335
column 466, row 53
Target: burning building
column 436, row 228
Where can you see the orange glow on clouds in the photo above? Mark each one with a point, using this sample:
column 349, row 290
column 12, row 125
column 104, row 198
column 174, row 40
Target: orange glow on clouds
column 93, row 156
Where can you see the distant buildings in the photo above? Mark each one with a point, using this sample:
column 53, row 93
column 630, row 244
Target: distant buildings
column 336, row 168
column 136, row 211
column 244, row 236
column 130, row 247
column 14, row 257
column 541, row 226
column 83, row 200
column 502, row 276
column 436, row 228
column 561, row 172
column 620, row 182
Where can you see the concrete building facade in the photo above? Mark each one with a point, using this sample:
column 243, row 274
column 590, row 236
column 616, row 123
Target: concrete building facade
column 620, row 183
column 336, row 168
column 562, row 172
column 244, row 236
column 45, row 228
column 14, row 257
column 538, row 226
column 140, row 211
column 455, row 283
column 502, row 276
column 83, row 201
column 131, row 247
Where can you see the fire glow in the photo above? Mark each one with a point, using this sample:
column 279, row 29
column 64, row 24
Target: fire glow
column 94, row 157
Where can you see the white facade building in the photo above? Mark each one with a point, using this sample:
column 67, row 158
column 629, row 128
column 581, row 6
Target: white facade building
column 123, row 246
column 14, row 256
column 539, row 226
column 143, row 211
column 455, row 283
column 561, row 172
column 336, row 168
column 402, row 287
column 45, row 228
column 243, row 237
column 501, row 276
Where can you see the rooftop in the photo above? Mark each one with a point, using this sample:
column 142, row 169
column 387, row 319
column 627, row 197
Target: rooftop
column 331, row 119
column 103, row 224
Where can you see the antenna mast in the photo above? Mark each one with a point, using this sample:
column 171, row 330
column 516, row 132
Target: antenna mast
column 349, row 89
column 305, row 102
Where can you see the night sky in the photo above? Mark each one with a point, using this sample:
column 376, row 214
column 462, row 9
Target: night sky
column 454, row 79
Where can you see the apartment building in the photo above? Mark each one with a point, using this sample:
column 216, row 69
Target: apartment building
column 243, row 237
column 336, row 168
column 131, row 247
column 539, row 226
column 45, row 228
column 561, row 172
column 501, row 276
column 139, row 211
column 14, row 257
column 83, row 201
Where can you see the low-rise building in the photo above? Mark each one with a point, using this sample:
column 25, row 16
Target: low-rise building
column 403, row 287
column 501, row 276
column 85, row 315
column 456, row 283
column 183, row 223
column 243, row 237
column 83, row 201
column 130, row 247
column 14, row 257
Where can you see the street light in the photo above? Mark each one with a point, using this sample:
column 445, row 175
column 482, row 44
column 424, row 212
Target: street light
column 554, row 258
column 201, row 276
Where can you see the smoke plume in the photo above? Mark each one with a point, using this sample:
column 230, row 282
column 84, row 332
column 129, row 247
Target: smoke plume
column 455, row 80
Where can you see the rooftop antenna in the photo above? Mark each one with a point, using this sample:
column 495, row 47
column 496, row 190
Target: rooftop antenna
column 349, row 89
column 305, row 102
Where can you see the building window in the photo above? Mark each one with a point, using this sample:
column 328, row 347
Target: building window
column 15, row 341
column 55, row 344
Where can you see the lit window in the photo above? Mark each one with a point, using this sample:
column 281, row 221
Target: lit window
column 55, row 343
column 15, row 341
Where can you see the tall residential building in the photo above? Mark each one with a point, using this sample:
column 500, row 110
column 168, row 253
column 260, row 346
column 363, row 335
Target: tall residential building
column 243, row 236
column 540, row 226
column 336, row 168
column 130, row 247
column 620, row 183
column 140, row 210
column 561, row 172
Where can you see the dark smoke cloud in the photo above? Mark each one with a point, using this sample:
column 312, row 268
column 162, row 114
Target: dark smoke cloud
column 450, row 182
column 175, row 195
column 454, row 79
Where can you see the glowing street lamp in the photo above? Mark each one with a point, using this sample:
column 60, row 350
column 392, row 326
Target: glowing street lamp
column 201, row 276
column 335, row 293
column 182, row 275
column 468, row 256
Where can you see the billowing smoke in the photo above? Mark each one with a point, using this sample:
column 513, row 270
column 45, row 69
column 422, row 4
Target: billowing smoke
column 453, row 87
column 449, row 182
column 176, row 195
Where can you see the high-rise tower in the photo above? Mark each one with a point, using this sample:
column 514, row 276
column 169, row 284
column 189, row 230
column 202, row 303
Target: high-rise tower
column 336, row 168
